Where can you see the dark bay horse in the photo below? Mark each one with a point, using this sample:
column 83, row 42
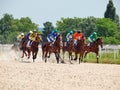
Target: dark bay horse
column 68, row 47
column 55, row 48
column 79, row 49
column 34, row 47
column 94, row 47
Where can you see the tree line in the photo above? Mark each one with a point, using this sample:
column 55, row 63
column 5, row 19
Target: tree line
column 108, row 27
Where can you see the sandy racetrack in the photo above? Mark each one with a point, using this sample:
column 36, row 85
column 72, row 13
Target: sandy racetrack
column 26, row 75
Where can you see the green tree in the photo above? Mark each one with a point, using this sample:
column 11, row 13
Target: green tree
column 106, row 27
column 26, row 25
column 10, row 27
column 110, row 11
column 48, row 27
column 5, row 27
column 89, row 25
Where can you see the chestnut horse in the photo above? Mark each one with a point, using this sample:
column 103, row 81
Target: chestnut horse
column 79, row 49
column 69, row 47
column 34, row 47
column 55, row 48
column 94, row 47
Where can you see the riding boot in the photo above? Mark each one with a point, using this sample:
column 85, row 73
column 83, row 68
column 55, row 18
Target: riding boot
column 31, row 42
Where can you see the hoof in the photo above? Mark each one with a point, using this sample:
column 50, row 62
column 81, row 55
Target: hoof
column 75, row 59
column 63, row 62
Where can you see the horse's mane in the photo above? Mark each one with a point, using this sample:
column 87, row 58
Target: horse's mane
column 57, row 37
column 98, row 39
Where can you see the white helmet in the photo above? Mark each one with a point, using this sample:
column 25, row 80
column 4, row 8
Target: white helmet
column 30, row 31
column 22, row 33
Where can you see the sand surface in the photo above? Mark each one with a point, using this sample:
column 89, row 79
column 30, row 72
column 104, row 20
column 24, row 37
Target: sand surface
column 18, row 74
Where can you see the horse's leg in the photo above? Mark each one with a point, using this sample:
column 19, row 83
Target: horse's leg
column 79, row 58
column 75, row 56
column 63, row 55
column 97, row 57
column 28, row 54
column 57, row 57
column 82, row 56
column 85, row 54
column 43, row 54
column 70, row 53
column 49, row 54
column 46, row 56
column 23, row 54
column 34, row 54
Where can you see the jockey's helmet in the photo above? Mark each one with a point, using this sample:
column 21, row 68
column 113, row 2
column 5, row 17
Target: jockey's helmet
column 94, row 33
column 30, row 31
column 34, row 31
column 55, row 30
column 22, row 34
column 79, row 31
column 71, row 32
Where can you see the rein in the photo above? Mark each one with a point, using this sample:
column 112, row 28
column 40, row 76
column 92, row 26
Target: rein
column 36, row 46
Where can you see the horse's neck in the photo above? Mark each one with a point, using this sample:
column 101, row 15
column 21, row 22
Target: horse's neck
column 95, row 44
column 56, row 43
column 35, row 43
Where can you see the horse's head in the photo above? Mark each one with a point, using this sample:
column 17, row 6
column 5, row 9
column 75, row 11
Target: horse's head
column 59, row 40
column 38, row 38
column 99, row 41
column 80, row 41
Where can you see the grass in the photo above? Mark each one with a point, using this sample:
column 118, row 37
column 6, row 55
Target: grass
column 104, row 59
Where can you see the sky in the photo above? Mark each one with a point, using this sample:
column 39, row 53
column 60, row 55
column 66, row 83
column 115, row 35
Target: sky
column 40, row 11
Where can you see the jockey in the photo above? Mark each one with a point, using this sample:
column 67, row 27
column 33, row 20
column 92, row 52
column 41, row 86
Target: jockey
column 92, row 37
column 77, row 36
column 28, row 35
column 32, row 38
column 69, row 36
column 52, row 36
column 21, row 37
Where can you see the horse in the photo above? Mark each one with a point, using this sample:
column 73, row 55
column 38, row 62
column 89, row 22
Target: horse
column 69, row 47
column 16, row 47
column 94, row 47
column 34, row 47
column 55, row 48
column 79, row 49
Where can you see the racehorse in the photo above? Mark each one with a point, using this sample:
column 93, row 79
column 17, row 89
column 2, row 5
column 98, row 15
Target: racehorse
column 55, row 48
column 79, row 49
column 15, row 47
column 69, row 47
column 94, row 47
column 34, row 47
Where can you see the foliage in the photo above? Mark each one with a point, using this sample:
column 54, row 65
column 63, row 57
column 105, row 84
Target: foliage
column 111, row 12
column 10, row 27
column 48, row 27
column 106, row 28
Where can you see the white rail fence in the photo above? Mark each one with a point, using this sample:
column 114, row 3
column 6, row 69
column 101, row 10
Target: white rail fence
column 105, row 50
column 110, row 49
